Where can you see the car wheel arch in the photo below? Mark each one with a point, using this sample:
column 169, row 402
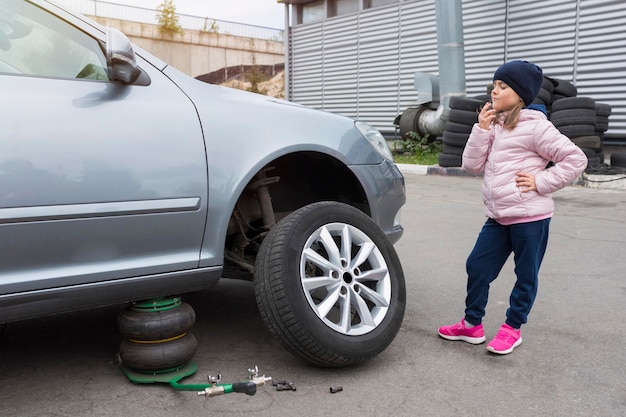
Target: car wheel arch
column 295, row 180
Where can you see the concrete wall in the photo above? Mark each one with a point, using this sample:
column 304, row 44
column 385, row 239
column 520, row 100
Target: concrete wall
column 196, row 53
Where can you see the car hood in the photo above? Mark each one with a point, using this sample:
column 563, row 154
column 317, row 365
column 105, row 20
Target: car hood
column 242, row 118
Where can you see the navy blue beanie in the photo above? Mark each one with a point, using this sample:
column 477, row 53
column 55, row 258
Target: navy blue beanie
column 523, row 77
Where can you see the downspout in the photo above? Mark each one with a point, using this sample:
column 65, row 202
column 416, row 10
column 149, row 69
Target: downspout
column 576, row 43
column 286, row 36
column 450, row 48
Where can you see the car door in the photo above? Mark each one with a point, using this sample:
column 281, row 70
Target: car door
column 98, row 180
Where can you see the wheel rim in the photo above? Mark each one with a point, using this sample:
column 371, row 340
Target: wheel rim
column 345, row 279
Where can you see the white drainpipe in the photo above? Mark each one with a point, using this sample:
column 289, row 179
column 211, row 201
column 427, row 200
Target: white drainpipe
column 286, row 73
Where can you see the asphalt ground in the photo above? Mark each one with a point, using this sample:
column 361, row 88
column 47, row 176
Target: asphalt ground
column 571, row 363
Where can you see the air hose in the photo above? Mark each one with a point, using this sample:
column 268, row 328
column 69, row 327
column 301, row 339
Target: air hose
column 211, row 389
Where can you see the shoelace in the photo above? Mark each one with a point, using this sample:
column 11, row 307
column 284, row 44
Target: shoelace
column 471, row 330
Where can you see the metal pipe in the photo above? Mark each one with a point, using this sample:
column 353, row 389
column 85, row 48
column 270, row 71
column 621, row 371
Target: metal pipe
column 433, row 122
column 451, row 50
column 450, row 47
column 286, row 38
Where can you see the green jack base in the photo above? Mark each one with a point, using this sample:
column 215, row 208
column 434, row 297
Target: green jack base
column 169, row 377
column 173, row 377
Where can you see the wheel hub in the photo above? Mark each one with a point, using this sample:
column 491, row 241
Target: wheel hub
column 345, row 279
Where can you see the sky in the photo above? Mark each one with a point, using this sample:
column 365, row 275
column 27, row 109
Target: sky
column 268, row 13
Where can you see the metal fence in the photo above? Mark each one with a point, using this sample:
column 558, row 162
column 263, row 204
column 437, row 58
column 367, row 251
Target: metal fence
column 111, row 10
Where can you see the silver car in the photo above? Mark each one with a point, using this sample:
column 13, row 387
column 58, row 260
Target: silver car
column 123, row 179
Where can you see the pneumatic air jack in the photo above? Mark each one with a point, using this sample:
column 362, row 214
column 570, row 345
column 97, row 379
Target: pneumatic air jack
column 158, row 348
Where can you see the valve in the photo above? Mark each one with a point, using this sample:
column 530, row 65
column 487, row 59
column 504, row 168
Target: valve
column 248, row 387
column 253, row 376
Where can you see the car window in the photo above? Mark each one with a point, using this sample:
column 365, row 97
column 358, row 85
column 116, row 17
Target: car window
column 37, row 43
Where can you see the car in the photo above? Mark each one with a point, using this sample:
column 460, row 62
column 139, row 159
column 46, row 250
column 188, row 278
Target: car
column 124, row 180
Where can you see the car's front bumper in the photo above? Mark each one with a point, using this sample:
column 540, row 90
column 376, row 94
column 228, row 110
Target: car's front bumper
column 384, row 186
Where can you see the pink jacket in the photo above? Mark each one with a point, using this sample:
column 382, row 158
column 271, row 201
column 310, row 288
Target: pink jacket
column 501, row 153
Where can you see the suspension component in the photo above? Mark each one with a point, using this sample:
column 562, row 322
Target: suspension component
column 260, row 185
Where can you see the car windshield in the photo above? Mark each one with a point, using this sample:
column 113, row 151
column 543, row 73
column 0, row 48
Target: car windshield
column 34, row 42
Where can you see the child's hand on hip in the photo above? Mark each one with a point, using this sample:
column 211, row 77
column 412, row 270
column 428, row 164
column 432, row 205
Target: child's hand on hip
column 526, row 182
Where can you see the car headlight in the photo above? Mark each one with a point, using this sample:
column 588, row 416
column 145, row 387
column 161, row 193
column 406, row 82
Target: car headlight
column 374, row 137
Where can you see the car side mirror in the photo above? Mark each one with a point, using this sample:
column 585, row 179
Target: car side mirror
column 121, row 63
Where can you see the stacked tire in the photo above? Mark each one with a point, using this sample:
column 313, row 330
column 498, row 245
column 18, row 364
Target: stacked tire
column 157, row 337
column 544, row 96
column 579, row 118
column 463, row 114
column 618, row 159
column 561, row 89
column 603, row 111
column 575, row 117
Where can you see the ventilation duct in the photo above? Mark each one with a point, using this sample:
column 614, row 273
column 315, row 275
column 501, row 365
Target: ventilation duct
column 430, row 118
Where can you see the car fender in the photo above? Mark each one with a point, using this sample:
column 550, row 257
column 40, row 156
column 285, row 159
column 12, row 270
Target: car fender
column 245, row 131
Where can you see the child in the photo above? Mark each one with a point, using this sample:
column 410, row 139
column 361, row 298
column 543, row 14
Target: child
column 512, row 145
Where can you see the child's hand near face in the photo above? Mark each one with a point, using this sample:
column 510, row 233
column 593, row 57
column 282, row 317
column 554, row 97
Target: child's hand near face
column 486, row 116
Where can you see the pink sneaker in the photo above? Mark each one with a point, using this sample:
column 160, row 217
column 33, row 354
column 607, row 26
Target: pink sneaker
column 505, row 341
column 474, row 335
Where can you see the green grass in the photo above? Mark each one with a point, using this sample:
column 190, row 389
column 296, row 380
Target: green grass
column 416, row 150
column 427, row 159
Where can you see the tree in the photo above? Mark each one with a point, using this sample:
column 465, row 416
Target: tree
column 255, row 75
column 212, row 28
column 168, row 20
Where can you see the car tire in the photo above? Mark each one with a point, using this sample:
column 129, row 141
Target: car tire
column 589, row 142
column 449, row 161
column 454, row 139
column 601, row 156
column 466, row 117
column 577, row 130
column 564, row 88
column 603, row 109
column 306, row 276
column 465, row 103
column 569, row 103
column 409, row 120
column 543, row 97
column 573, row 116
column 594, row 161
column 483, row 98
column 548, row 84
column 602, row 123
column 458, row 128
column 618, row 159
column 589, row 153
column 452, row 150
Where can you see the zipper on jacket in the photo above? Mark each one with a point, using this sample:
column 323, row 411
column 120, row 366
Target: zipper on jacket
column 492, row 152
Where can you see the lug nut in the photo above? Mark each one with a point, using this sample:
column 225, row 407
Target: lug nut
column 288, row 386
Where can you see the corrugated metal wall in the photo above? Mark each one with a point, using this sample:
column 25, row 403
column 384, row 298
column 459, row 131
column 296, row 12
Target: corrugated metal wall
column 362, row 65
column 601, row 61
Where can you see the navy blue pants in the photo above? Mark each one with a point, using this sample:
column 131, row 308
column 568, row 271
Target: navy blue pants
column 495, row 243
